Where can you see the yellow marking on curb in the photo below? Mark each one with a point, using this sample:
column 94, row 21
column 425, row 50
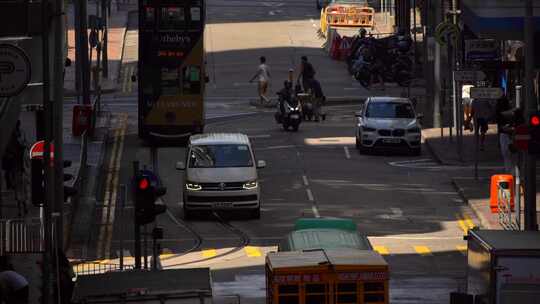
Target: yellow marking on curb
column 252, row 251
column 209, row 253
column 422, row 250
column 462, row 249
column 381, row 250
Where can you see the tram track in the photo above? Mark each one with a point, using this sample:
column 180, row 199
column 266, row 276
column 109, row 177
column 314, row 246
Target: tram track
column 198, row 238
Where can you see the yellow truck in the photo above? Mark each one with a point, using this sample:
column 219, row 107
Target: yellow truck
column 347, row 13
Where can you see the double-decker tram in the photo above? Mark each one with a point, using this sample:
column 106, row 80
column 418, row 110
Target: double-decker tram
column 171, row 68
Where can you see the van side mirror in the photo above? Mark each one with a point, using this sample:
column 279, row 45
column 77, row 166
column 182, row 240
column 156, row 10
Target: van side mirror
column 261, row 164
column 180, row 166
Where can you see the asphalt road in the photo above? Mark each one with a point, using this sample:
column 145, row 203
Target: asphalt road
column 410, row 212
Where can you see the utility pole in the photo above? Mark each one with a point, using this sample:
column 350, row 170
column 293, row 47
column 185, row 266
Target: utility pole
column 82, row 65
column 529, row 106
column 49, row 193
column 57, row 28
column 105, row 22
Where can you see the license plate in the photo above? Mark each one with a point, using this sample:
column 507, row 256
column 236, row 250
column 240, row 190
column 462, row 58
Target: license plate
column 392, row 140
column 295, row 116
column 222, row 205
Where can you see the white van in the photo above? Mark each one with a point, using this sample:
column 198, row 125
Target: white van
column 220, row 173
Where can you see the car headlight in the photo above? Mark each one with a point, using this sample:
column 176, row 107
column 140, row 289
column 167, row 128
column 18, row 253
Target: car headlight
column 414, row 130
column 193, row 186
column 368, row 129
column 250, row 185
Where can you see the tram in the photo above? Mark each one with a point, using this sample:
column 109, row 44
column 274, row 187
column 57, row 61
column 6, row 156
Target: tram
column 171, row 68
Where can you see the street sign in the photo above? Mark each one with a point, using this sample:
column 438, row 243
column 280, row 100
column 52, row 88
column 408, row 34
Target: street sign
column 37, row 149
column 14, row 70
column 481, row 50
column 486, row 93
column 469, row 76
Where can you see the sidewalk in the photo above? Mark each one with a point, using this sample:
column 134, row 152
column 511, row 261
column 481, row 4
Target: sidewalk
column 474, row 192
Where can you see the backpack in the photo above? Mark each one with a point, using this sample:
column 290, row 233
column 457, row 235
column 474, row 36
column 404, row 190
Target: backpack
column 309, row 71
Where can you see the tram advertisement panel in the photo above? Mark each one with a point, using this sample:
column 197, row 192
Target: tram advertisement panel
column 171, row 67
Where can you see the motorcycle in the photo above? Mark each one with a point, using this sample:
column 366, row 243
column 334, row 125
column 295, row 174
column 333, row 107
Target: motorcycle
column 289, row 113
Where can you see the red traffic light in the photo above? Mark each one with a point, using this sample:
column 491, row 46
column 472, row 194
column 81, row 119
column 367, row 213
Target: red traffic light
column 535, row 120
column 143, row 184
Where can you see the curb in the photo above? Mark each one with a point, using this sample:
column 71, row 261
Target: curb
column 484, row 222
column 432, row 152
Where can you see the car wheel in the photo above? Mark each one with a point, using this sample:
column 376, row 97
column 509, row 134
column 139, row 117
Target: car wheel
column 285, row 127
column 357, row 143
column 295, row 127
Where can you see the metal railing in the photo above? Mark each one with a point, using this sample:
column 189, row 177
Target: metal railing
column 507, row 219
column 90, row 268
column 21, row 236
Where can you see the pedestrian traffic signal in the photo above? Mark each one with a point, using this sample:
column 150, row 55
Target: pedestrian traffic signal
column 147, row 191
column 534, row 131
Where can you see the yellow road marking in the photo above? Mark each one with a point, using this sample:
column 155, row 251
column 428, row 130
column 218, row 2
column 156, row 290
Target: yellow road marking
column 252, row 251
column 462, row 248
column 209, row 253
column 423, row 250
column 166, row 251
column 462, row 224
column 468, row 221
column 381, row 250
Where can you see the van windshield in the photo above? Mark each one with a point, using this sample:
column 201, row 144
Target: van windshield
column 220, row 156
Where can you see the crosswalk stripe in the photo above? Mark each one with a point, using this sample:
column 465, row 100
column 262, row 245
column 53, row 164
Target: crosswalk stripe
column 209, row 253
column 252, row 251
column 381, row 250
column 462, row 249
column 422, row 250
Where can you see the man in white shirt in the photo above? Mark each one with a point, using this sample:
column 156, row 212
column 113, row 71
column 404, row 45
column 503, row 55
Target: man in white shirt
column 263, row 76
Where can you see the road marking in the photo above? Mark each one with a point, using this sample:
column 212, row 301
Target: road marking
column 306, row 182
column 260, row 136
column 209, row 253
column 381, row 250
column 468, row 221
column 315, row 211
column 347, row 153
column 462, row 249
column 110, row 196
column 422, row 250
column 464, row 222
column 252, row 251
column 276, row 147
column 310, row 195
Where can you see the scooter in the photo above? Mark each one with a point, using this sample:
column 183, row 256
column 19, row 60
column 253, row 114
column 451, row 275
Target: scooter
column 291, row 115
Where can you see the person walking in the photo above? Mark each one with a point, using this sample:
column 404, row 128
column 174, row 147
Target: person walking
column 481, row 112
column 263, row 77
column 307, row 73
column 317, row 97
column 504, row 131
column 13, row 288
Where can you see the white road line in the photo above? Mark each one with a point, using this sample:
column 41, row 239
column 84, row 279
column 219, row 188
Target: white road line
column 310, row 195
column 315, row 211
column 276, row 147
column 260, row 136
column 347, row 153
column 397, row 212
column 304, row 178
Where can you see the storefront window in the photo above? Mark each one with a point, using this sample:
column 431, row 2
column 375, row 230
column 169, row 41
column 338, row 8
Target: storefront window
column 172, row 17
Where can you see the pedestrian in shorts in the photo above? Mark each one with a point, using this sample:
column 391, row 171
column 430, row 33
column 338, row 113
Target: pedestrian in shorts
column 263, row 77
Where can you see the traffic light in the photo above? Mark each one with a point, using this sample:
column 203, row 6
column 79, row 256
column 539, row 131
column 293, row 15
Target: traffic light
column 534, row 131
column 37, row 182
column 147, row 191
